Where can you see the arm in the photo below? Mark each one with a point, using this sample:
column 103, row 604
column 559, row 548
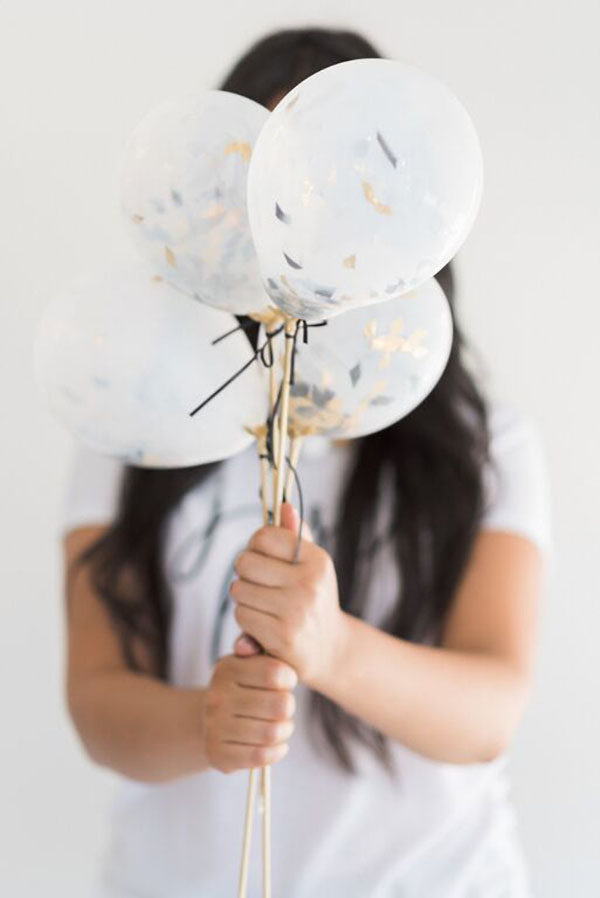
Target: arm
column 457, row 703
column 149, row 730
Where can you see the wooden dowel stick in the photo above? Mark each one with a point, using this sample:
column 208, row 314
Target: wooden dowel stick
column 273, row 397
column 250, row 798
column 279, row 449
column 251, row 793
column 265, row 778
column 290, row 328
column 265, row 782
column 264, row 479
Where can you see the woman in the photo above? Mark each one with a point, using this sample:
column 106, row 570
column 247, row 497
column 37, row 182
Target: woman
column 399, row 648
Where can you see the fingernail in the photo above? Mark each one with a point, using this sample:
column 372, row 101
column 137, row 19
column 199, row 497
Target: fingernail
column 288, row 678
column 246, row 645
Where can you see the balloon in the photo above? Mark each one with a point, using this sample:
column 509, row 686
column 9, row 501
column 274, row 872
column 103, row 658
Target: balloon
column 363, row 184
column 183, row 182
column 367, row 369
column 123, row 359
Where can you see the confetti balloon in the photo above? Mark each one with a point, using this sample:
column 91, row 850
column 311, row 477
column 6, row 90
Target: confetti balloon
column 364, row 182
column 184, row 177
column 124, row 359
column 367, row 369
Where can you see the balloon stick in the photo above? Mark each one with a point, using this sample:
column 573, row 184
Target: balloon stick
column 290, row 331
column 280, row 446
column 272, row 403
column 265, row 783
column 250, row 797
column 261, row 438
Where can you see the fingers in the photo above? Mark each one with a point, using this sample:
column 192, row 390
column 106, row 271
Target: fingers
column 276, row 542
column 246, row 757
column 263, row 627
column 249, row 711
column 263, row 569
column 258, row 672
column 290, row 520
column 261, row 598
column 264, row 704
column 253, row 731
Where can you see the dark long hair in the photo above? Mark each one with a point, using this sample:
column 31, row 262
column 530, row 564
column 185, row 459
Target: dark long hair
column 434, row 456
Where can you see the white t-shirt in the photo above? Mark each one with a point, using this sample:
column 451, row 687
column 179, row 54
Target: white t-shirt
column 436, row 830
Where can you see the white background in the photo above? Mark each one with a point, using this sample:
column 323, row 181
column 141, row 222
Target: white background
column 75, row 76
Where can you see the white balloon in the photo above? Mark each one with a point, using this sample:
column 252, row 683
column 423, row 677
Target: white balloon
column 369, row 368
column 184, row 176
column 363, row 184
column 123, row 359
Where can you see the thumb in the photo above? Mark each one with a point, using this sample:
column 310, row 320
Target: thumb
column 245, row 646
column 290, row 520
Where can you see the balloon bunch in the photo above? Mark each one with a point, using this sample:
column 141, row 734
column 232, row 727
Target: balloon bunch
column 339, row 207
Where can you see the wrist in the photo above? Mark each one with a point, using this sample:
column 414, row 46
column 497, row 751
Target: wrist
column 328, row 677
column 194, row 701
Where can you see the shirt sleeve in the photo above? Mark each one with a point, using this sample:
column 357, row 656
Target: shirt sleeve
column 516, row 481
column 92, row 489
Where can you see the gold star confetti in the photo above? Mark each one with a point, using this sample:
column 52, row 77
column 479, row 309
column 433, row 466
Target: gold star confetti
column 213, row 211
column 170, row 256
column 305, row 414
column 372, row 199
column 395, row 341
column 241, row 147
column 270, row 317
column 350, row 261
column 258, row 432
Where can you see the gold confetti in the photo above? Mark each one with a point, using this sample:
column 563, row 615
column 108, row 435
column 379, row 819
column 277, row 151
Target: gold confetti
column 414, row 344
column 306, row 418
column 270, row 317
column 321, row 419
column 395, row 341
column 371, row 328
column 170, row 256
column 259, row 432
column 241, row 147
column 157, row 278
column 213, row 211
column 350, row 261
column 379, row 388
column 372, row 199
column 138, row 219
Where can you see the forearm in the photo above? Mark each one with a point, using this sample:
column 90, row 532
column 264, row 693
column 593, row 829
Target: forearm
column 451, row 706
column 139, row 726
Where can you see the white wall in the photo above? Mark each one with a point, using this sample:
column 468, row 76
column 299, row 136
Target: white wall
column 75, row 76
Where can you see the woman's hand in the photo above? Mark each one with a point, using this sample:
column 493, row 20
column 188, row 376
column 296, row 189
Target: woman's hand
column 248, row 712
column 290, row 608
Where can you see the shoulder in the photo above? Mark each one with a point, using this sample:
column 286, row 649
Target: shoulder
column 516, row 490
